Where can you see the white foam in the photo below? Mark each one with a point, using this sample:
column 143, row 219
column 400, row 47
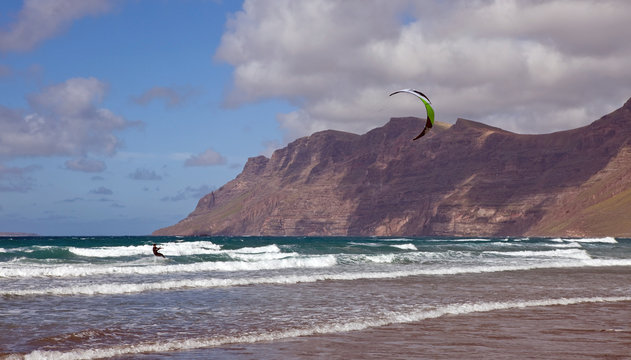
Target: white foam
column 365, row 244
column 388, row 258
column 606, row 240
column 558, row 253
column 128, row 288
column 72, row 270
column 189, row 248
column 380, row 259
column 405, row 246
column 256, row 250
column 115, row 251
column 378, row 320
column 17, row 249
column 262, row 256
column 565, row 245
column 168, row 249
column 28, row 249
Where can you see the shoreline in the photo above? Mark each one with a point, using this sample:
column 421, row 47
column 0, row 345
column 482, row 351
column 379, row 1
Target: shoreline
column 17, row 234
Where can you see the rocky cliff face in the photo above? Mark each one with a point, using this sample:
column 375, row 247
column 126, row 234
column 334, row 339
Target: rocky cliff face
column 459, row 180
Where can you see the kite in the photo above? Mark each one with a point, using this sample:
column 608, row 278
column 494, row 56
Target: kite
column 428, row 107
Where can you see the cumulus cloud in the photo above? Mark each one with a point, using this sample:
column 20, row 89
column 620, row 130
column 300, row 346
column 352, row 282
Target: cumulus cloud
column 86, row 165
column 526, row 66
column 39, row 20
column 64, row 119
column 172, row 96
column 144, row 174
column 208, row 158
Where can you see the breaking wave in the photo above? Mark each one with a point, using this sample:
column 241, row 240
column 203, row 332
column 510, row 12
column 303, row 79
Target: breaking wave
column 201, row 283
column 378, row 320
column 265, row 263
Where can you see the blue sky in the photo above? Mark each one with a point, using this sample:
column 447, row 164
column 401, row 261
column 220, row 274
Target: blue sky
column 131, row 48
column 117, row 116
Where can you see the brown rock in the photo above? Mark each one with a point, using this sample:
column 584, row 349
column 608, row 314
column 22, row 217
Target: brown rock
column 460, row 180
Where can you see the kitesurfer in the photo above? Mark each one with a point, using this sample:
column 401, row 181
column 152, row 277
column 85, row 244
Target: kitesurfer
column 156, row 252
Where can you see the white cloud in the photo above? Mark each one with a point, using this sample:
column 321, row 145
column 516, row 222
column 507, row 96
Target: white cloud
column 527, row 66
column 39, row 20
column 575, row 27
column 73, row 97
column 207, row 158
column 65, row 120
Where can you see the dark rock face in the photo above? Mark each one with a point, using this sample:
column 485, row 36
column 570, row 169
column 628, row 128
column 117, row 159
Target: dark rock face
column 459, row 180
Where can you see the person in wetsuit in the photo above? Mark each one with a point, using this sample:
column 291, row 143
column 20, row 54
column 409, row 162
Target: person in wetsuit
column 156, row 252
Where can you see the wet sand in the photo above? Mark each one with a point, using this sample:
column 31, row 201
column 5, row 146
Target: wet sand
column 581, row 331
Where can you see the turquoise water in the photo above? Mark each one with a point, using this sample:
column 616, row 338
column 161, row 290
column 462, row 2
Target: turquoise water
column 91, row 297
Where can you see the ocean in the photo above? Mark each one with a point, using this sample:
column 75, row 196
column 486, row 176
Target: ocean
column 315, row 298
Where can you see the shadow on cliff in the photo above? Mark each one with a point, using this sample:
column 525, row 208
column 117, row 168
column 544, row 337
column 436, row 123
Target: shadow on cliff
column 444, row 183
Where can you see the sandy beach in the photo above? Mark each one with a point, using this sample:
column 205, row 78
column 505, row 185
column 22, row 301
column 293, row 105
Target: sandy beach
column 584, row 331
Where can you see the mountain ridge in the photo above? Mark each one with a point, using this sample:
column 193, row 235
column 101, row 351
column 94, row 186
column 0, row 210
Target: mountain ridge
column 464, row 179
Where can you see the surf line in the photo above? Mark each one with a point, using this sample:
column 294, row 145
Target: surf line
column 318, row 261
column 133, row 288
column 332, row 328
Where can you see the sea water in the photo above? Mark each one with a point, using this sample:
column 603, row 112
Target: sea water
column 314, row 297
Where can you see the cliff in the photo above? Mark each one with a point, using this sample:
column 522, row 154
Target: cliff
column 460, row 180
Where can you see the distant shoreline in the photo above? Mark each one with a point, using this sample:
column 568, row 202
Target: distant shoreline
column 16, row 234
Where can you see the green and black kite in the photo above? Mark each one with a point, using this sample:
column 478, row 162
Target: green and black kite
column 428, row 107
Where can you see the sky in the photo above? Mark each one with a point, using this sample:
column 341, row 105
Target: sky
column 117, row 116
